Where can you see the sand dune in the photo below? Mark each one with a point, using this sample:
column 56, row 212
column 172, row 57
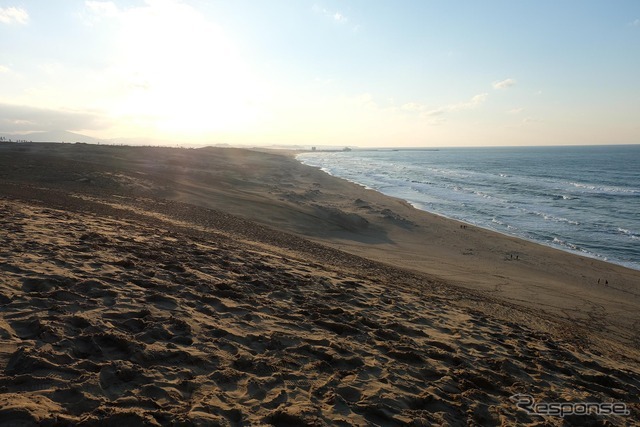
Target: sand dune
column 122, row 303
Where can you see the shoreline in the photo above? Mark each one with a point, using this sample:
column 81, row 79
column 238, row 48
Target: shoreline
column 550, row 244
column 415, row 205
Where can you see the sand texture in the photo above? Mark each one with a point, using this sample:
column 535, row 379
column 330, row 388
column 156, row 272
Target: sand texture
column 145, row 286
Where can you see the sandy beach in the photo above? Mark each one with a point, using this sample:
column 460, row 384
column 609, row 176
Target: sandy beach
column 222, row 286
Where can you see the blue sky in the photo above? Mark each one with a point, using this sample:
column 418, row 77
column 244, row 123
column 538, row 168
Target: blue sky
column 368, row 73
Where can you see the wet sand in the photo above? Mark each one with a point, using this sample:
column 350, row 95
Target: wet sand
column 231, row 287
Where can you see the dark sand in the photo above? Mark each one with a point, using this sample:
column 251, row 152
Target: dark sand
column 231, row 287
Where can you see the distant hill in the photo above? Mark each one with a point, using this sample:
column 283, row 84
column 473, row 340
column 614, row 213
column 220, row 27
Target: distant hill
column 52, row 136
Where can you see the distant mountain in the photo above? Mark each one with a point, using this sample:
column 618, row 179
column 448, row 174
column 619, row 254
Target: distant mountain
column 53, row 136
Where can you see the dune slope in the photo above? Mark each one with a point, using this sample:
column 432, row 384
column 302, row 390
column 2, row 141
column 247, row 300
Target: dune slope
column 122, row 306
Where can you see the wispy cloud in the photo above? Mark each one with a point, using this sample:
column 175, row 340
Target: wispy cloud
column 4, row 69
column 413, row 106
column 504, row 84
column 13, row 15
column 102, row 8
column 433, row 113
column 474, row 102
column 337, row 16
column 95, row 12
column 527, row 120
column 430, row 112
column 636, row 23
column 515, row 110
column 366, row 100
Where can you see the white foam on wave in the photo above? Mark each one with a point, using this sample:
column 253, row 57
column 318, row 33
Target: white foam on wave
column 629, row 233
column 605, row 189
column 565, row 244
column 549, row 217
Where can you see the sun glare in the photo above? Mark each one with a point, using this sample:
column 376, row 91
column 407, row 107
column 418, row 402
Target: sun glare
column 181, row 73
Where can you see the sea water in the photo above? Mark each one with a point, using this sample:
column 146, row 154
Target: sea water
column 582, row 199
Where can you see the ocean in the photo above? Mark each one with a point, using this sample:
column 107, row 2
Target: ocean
column 581, row 199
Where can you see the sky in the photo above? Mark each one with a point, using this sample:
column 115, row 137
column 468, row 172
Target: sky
column 351, row 72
